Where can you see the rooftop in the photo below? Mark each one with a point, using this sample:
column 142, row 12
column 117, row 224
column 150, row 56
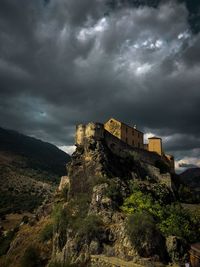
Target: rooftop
column 154, row 137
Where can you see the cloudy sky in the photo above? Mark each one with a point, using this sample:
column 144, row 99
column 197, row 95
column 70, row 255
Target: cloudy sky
column 64, row 62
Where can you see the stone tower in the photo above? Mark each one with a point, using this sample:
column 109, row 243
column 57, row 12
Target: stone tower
column 155, row 145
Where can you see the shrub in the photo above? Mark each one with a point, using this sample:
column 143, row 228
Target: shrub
column 6, row 240
column 133, row 156
column 62, row 264
column 114, row 192
column 64, row 193
column 170, row 219
column 140, row 202
column 71, row 216
column 31, row 257
column 25, row 219
column 178, row 222
column 97, row 180
column 91, row 227
column 144, row 235
column 61, row 221
column 47, row 233
column 187, row 195
column 77, row 210
column 161, row 193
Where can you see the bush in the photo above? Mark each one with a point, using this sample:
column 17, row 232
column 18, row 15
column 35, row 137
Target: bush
column 140, row 202
column 114, row 192
column 187, row 195
column 71, row 216
column 47, row 233
column 91, row 227
column 31, row 258
column 5, row 242
column 64, row 193
column 25, row 219
column 161, row 193
column 170, row 219
column 61, row 221
column 178, row 222
column 62, row 264
column 144, row 235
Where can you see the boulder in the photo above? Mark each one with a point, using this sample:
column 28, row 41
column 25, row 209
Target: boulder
column 177, row 248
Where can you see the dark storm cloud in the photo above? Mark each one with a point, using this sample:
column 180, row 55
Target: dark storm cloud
column 64, row 62
column 193, row 7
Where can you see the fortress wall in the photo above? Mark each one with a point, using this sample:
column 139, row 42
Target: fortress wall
column 120, row 148
column 171, row 160
column 117, row 146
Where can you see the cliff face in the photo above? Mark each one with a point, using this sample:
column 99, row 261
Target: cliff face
column 99, row 181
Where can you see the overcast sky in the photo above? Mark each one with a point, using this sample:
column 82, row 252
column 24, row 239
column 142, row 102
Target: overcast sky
column 64, row 62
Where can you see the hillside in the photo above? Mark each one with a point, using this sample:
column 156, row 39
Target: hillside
column 191, row 177
column 116, row 207
column 190, row 185
column 29, row 170
column 36, row 153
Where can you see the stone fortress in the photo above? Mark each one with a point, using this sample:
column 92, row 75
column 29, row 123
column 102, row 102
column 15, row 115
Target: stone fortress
column 120, row 136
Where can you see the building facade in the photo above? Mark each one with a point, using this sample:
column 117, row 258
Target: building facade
column 129, row 135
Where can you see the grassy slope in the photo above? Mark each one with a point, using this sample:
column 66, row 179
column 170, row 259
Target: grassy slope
column 29, row 171
column 27, row 236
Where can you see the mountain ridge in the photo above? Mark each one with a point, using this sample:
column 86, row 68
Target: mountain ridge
column 29, row 171
column 34, row 148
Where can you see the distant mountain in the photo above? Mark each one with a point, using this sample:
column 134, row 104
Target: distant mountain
column 29, row 171
column 189, row 190
column 191, row 177
column 38, row 154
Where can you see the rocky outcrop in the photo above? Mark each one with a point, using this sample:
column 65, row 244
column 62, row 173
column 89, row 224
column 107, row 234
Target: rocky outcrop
column 63, row 182
column 176, row 248
column 105, row 178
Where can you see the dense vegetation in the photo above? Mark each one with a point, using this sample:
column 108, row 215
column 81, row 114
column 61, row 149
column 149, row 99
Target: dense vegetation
column 168, row 219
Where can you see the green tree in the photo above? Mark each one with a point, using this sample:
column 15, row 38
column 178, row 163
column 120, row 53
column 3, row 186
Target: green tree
column 170, row 219
column 177, row 221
